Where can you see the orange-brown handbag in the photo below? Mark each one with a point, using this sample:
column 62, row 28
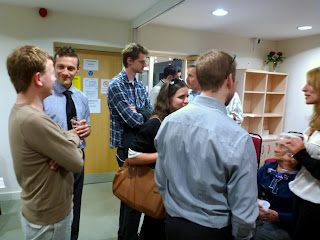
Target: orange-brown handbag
column 135, row 186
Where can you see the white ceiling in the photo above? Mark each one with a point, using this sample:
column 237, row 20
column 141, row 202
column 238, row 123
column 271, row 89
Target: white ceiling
column 266, row 19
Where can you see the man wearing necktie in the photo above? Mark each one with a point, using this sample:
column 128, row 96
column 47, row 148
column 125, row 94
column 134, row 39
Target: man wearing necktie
column 65, row 103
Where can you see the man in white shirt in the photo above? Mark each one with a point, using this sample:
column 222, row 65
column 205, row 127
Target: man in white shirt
column 234, row 109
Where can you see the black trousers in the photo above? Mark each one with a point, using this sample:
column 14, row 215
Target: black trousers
column 152, row 229
column 306, row 219
column 129, row 218
column 77, row 195
column 182, row 229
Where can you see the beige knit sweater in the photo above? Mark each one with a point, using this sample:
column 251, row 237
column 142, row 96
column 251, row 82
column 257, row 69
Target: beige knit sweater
column 35, row 139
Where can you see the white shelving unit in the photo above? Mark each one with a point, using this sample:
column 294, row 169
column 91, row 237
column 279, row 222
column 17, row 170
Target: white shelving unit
column 263, row 97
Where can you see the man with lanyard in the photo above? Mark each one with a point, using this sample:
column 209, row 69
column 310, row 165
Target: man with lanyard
column 65, row 103
column 169, row 73
column 127, row 101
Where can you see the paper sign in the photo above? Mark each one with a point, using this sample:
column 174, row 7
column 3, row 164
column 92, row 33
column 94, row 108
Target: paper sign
column 104, row 85
column 90, row 87
column 2, row 183
column 95, row 105
column 76, row 82
column 91, row 64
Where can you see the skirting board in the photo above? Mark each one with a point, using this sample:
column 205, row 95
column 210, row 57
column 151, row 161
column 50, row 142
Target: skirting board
column 88, row 179
column 99, row 177
column 10, row 196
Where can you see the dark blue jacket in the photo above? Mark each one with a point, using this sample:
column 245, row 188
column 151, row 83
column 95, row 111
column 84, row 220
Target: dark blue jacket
column 275, row 190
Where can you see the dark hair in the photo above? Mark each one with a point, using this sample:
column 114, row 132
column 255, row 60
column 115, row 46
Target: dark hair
column 23, row 63
column 132, row 50
column 212, row 68
column 66, row 51
column 171, row 70
column 162, row 107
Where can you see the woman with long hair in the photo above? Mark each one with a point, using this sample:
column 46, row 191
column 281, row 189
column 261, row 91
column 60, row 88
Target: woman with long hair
column 306, row 186
column 173, row 95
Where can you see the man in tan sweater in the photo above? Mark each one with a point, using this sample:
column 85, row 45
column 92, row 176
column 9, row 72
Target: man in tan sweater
column 35, row 141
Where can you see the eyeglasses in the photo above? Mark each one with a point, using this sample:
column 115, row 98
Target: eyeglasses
column 143, row 62
column 229, row 68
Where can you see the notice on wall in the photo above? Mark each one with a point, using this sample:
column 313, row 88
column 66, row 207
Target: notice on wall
column 95, row 105
column 90, row 87
column 2, row 183
column 91, row 64
column 76, row 82
column 104, row 85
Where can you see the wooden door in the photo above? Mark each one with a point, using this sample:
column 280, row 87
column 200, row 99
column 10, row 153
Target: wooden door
column 99, row 157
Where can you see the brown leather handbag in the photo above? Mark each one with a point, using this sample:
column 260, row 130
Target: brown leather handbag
column 135, row 186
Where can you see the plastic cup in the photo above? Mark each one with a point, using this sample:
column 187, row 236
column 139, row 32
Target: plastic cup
column 74, row 122
column 265, row 204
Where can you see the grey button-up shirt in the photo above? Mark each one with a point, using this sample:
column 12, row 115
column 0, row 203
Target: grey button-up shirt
column 207, row 168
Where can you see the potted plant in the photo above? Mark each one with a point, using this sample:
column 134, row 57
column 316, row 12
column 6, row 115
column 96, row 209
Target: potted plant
column 275, row 58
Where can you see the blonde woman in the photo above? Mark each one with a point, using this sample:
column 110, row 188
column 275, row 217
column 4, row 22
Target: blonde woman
column 306, row 186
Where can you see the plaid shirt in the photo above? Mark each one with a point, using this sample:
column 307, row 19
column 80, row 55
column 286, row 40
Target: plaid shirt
column 121, row 95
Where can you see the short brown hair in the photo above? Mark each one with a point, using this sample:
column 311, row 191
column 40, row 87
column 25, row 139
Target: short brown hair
column 66, row 51
column 212, row 69
column 23, row 63
column 132, row 50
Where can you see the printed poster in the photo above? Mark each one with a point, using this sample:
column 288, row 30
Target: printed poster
column 90, row 87
column 91, row 64
column 76, row 82
column 95, row 105
column 104, row 85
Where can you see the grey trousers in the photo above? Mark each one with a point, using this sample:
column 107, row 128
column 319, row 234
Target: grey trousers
column 57, row 231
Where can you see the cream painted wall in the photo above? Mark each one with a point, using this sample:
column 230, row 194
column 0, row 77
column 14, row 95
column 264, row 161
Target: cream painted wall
column 21, row 26
column 302, row 55
column 191, row 42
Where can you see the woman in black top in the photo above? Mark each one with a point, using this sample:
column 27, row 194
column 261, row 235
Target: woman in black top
column 173, row 95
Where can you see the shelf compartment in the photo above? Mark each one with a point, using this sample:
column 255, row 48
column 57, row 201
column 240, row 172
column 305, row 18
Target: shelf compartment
column 253, row 103
column 273, row 124
column 274, row 104
column 255, row 82
column 252, row 124
column 276, row 83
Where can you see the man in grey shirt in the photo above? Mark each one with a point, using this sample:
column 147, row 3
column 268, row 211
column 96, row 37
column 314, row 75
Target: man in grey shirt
column 206, row 168
column 169, row 73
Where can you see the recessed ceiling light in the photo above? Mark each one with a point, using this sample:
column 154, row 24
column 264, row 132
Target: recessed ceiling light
column 220, row 12
column 304, row 28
